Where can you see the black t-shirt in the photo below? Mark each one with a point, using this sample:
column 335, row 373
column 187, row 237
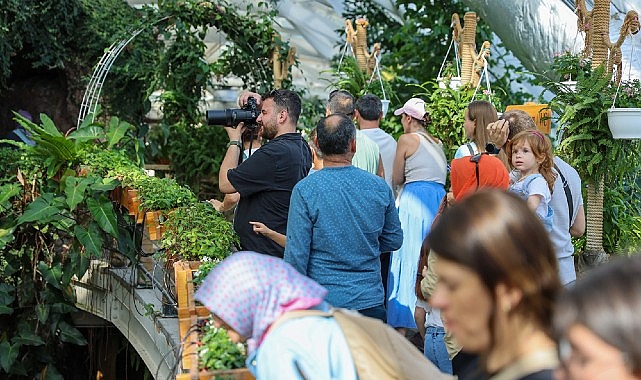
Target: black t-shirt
column 265, row 182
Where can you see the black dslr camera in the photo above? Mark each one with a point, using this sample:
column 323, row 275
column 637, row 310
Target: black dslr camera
column 230, row 117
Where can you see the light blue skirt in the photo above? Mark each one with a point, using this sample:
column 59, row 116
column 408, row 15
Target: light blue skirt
column 417, row 207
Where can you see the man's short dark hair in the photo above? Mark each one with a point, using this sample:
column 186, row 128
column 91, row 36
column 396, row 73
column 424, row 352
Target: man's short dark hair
column 286, row 99
column 335, row 133
column 370, row 107
column 341, row 101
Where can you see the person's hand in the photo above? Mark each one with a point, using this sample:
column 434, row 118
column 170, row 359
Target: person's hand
column 218, row 205
column 242, row 99
column 235, row 133
column 498, row 132
column 260, row 228
column 450, row 198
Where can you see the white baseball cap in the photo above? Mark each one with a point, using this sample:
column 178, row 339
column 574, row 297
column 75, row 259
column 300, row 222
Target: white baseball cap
column 414, row 107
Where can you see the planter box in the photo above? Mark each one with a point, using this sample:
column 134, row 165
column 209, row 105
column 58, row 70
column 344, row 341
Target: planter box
column 188, row 312
column 154, row 222
column 625, row 123
column 230, row 374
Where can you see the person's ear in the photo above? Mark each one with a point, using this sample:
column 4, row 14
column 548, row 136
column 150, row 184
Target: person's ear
column 352, row 145
column 507, row 298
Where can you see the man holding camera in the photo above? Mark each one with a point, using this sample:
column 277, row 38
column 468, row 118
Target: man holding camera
column 266, row 179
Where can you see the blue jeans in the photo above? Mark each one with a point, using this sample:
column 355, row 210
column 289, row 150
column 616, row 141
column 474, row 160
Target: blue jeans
column 435, row 349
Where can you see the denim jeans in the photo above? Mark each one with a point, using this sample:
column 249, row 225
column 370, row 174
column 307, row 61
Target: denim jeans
column 435, row 349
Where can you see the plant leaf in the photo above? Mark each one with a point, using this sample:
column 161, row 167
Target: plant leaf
column 92, row 132
column 116, row 132
column 90, row 239
column 41, row 210
column 28, row 338
column 104, row 215
column 52, row 275
column 8, row 355
column 75, row 190
column 70, row 334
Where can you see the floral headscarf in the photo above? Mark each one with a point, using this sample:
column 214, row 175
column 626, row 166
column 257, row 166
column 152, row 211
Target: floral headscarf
column 249, row 291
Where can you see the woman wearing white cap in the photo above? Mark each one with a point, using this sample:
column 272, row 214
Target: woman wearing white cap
column 419, row 171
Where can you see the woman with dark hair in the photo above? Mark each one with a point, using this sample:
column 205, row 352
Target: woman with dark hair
column 497, row 281
column 598, row 324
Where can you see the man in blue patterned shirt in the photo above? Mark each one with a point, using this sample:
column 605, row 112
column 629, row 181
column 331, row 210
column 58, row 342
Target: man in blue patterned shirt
column 340, row 220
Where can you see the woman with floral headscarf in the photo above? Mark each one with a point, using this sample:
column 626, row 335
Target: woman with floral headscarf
column 248, row 292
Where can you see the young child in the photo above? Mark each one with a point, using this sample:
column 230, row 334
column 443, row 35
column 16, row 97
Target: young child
column 428, row 321
column 530, row 154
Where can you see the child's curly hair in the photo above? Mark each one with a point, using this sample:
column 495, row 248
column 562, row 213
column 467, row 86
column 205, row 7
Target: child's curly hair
column 541, row 147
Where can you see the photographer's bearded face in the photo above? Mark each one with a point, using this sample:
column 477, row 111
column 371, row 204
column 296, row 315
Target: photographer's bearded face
column 268, row 118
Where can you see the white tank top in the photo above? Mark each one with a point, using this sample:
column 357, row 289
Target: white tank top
column 428, row 163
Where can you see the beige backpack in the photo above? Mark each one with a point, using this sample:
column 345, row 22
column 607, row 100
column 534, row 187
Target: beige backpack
column 379, row 351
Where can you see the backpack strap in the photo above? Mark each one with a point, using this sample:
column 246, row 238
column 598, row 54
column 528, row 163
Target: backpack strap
column 469, row 147
column 568, row 194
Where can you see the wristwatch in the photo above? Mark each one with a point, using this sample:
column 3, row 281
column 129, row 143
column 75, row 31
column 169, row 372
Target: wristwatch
column 235, row 142
column 491, row 148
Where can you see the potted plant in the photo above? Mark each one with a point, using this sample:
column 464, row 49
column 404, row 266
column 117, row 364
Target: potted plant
column 586, row 142
column 624, row 117
column 566, row 67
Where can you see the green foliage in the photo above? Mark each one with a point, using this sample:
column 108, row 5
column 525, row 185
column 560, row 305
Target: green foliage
column 51, row 226
column 446, row 107
column 414, row 48
column 205, row 267
column 38, row 33
column 162, row 193
column 197, row 231
column 622, row 216
column 567, row 66
column 196, row 153
column 217, row 351
column 586, row 138
column 628, row 94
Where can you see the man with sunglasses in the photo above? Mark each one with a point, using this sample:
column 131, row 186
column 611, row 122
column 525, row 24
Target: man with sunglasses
column 266, row 179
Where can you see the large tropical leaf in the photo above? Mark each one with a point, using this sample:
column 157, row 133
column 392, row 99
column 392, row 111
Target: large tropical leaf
column 42, row 210
column 49, row 126
column 116, row 132
column 90, row 239
column 8, row 354
column 70, row 334
column 90, row 133
column 75, row 190
column 52, row 275
column 6, row 298
column 28, row 338
column 103, row 213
